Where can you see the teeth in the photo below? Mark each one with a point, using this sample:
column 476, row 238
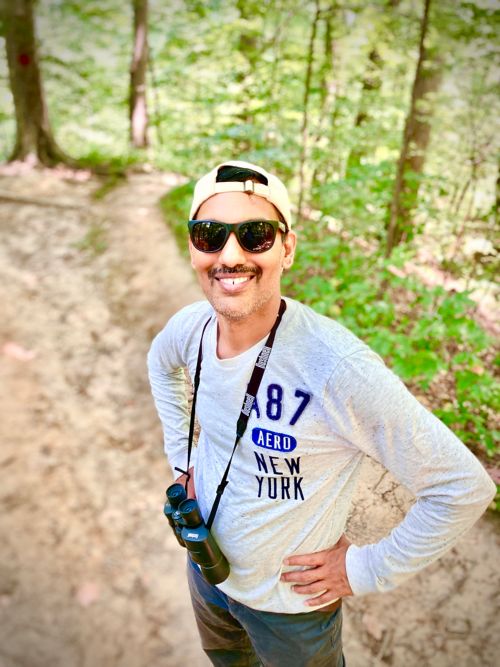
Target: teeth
column 234, row 281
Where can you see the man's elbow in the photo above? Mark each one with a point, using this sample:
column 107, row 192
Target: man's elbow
column 477, row 494
column 473, row 492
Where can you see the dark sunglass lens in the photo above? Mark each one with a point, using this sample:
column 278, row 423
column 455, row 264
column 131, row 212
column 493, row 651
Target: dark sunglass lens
column 257, row 235
column 208, row 236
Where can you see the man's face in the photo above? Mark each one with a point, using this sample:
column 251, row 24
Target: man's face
column 237, row 283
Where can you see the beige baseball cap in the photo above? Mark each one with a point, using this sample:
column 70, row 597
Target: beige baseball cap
column 275, row 191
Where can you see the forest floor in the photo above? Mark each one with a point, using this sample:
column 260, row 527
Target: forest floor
column 90, row 574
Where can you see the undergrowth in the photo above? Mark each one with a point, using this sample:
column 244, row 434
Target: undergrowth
column 175, row 208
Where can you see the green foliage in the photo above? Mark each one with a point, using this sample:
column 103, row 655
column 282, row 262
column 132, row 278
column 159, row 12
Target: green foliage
column 113, row 165
column 94, row 242
column 226, row 79
column 427, row 335
column 360, row 200
column 109, row 183
column 175, row 207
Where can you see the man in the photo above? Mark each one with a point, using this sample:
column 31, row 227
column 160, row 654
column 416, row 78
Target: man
column 324, row 401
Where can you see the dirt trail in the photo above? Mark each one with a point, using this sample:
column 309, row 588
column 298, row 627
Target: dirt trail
column 90, row 575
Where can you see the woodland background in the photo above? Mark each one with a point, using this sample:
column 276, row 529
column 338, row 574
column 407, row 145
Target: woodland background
column 382, row 117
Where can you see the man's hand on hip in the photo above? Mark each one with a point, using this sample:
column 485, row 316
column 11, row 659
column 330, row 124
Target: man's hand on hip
column 191, row 493
column 327, row 572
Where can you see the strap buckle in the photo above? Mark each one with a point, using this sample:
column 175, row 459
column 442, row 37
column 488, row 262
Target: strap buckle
column 249, row 186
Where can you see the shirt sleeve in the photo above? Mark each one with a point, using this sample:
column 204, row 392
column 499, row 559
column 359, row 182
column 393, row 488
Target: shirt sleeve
column 168, row 385
column 375, row 413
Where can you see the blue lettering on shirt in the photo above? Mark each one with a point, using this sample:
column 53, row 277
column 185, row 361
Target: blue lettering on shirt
column 277, row 406
column 278, row 486
column 255, row 407
column 274, row 404
column 279, row 442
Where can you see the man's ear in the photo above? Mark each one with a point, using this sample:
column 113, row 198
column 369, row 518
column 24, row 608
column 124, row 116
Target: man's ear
column 289, row 245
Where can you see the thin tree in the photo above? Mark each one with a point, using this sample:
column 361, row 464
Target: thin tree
column 371, row 81
column 34, row 139
column 496, row 211
column 138, row 111
column 416, row 138
column 328, row 87
column 250, row 48
column 304, row 130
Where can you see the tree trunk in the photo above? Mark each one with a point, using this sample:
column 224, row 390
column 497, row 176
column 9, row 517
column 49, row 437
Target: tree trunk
column 156, row 99
column 416, row 138
column 274, row 45
column 305, row 114
column 328, row 86
column 372, row 80
column 496, row 212
column 137, row 104
column 250, row 49
column 34, row 138
column 247, row 42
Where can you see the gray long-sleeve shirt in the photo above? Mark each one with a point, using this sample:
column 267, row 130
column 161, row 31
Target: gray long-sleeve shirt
column 325, row 401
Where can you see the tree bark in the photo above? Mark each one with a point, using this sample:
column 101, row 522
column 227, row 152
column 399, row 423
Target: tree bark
column 249, row 47
column 328, row 86
column 496, row 212
column 416, row 138
column 372, row 80
column 305, row 115
column 247, row 42
column 138, row 111
column 34, row 139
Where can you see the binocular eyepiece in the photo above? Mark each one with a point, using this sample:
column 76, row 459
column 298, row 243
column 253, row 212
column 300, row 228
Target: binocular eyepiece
column 185, row 519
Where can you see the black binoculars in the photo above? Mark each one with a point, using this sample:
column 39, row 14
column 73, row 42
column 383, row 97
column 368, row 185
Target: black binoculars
column 185, row 519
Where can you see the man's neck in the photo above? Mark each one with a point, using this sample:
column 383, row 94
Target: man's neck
column 237, row 336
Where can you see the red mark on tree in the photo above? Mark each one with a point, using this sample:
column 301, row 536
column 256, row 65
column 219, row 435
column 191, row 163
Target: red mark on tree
column 24, row 59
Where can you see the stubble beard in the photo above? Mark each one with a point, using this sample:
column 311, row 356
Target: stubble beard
column 240, row 306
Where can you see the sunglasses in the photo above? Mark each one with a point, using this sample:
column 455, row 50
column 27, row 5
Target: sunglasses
column 252, row 235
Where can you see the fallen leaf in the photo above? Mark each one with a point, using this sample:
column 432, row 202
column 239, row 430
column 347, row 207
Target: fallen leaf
column 88, row 593
column 30, row 280
column 16, row 351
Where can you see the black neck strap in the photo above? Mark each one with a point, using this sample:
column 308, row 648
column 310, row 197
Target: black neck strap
column 248, row 401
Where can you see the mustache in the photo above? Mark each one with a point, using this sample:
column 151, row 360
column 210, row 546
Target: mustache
column 230, row 270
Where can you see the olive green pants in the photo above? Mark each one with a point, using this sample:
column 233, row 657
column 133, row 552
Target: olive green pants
column 233, row 635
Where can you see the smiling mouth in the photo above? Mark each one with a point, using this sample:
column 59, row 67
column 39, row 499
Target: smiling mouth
column 234, row 283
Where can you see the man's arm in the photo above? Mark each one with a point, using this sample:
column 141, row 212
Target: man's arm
column 168, row 386
column 373, row 411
